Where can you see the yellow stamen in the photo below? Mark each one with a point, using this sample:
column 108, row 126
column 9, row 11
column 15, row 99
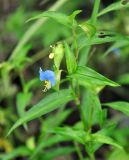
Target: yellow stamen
column 47, row 85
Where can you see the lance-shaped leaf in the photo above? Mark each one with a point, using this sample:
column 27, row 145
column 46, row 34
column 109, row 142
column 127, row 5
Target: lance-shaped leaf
column 48, row 142
column 73, row 16
column 70, row 59
column 97, row 137
column 120, row 106
column 115, row 6
column 56, row 152
column 91, row 109
column 20, row 151
column 100, row 37
column 118, row 44
column 22, row 100
column 72, row 134
column 48, row 123
column 59, row 17
column 89, row 78
column 46, row 105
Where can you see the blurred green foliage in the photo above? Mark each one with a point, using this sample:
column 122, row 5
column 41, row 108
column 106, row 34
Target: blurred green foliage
column 84, row 38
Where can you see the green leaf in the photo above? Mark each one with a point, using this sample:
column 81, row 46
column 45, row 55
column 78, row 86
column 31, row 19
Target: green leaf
column 21, row 58
column 99, row 38
column 22, row 100
column 88, row 28
column 70, row 59
column 48, row 123
column 119, row 105
column 31, row 84
column 49, row 142
column 106, row 131
column 89, row 78
column 73, row 15
column 119, row 155
column 115, row 6
column 118, row 44
column 76, row 135
column 121, row 135
column 97, row 137
column 124, row 79
column 21, row 151
column 59, row 117
column 91, row 109
column 48, row 28
column 48, row 104
column 56, row 152
column 59, row 17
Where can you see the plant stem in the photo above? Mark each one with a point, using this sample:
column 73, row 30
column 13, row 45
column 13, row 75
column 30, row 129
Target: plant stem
column 90, row 154
column 92, row 157
column 78, row 151
column 75, row 42
column 95, row 12
column 22, row 81
column 83, row 60
column 84, row 57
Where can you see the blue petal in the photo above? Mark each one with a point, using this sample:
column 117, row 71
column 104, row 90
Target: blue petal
column 47, row 75
column 50, row 75
column 116, row 51
column 42, row 75
column 52, row 80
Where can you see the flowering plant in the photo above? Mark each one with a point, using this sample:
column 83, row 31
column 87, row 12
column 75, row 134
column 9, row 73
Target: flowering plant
column 87, row 57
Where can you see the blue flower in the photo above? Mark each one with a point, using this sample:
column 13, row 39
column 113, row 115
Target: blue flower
column 48, row 77
column 117, row 51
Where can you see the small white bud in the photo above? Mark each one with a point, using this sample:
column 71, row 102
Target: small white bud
column 51, row 55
